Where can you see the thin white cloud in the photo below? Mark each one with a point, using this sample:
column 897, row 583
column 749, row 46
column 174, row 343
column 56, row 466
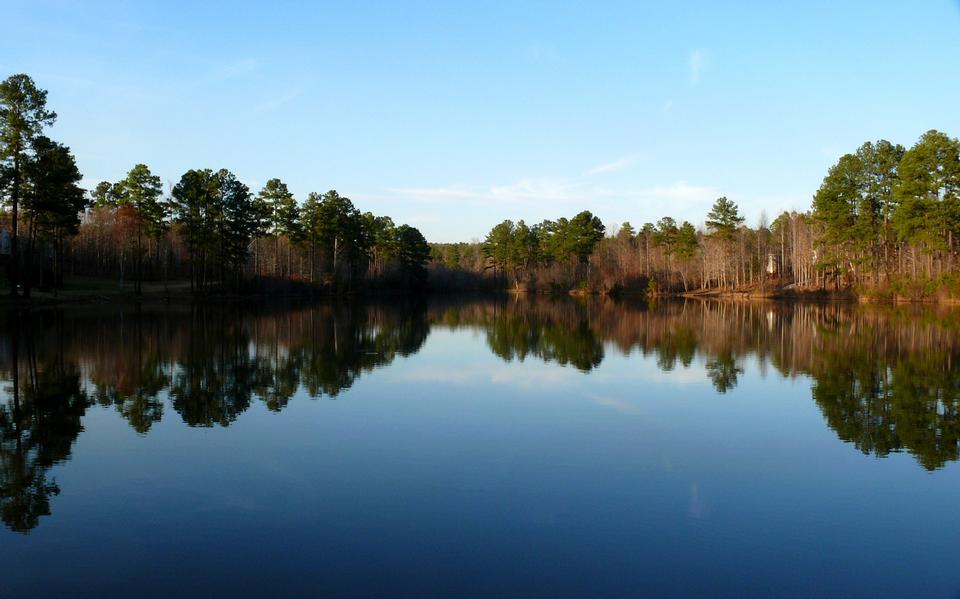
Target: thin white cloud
column 535, row 198
column 539, row 378
column 668, row 105
column 695, row 62
column 439, row 375
column 436, row 194
column 532, row 377
column 236, row 69
column 682, row 192
column 619, row 405
column 616, row 165
column 541, row 189
column 549, row 192
column 537, row 189
column 275, row 102
column 541, row 52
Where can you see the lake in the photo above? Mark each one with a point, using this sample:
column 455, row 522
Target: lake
column 481, row 447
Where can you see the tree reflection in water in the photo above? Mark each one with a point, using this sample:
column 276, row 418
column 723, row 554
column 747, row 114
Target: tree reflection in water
column 39, row 421
column 882, row 377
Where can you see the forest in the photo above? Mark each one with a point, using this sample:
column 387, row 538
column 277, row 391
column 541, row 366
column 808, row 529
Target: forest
column 885, row 224
column 209, row 230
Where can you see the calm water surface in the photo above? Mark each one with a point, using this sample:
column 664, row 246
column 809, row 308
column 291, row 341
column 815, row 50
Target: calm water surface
column 481, row 448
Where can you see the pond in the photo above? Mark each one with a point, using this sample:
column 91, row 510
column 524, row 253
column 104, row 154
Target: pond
column 480, row 447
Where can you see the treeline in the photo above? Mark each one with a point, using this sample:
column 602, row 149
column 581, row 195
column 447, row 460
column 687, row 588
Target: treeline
column 214, row 232
column 208, row 228
column 577, row 255
column 885, row 221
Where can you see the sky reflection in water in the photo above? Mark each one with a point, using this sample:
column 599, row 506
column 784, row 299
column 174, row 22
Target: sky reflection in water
column 540, row 447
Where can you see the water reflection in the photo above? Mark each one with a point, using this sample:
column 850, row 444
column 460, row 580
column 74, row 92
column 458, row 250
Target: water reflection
column 38, row 425
column 883, row 378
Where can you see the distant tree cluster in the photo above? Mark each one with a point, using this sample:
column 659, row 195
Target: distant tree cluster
column 885, row 210
column 885, row 221
column 519, row 248
column 209, row 228
column 577, row 253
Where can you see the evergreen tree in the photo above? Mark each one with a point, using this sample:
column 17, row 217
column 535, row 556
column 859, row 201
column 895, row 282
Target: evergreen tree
column 928, row 192
column 724, row 218
column 23, row 115
column 240, row 221
column 414, row 253
column 554, row 240
column 498, row 245
column 280, row 215
column 142, row 191
column 686, row 243
column 54, row 201
column 340, row 232
column 105, row 195
column 193, row 200
column 880, row 162
column 586, row 231
column 665, row 234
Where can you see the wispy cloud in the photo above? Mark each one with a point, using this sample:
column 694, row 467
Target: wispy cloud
column 276, row 102
column 536, row 378
column 681, row 192
column 616, row 165
column 439, row 375
column 695, row 63
column 235, row 69
column 548, row 192
column 667, row 105
column 537, row 189
column 617, row 404
column 541, row 52
column 540, row 189
column 436, row 194
column 533, row 377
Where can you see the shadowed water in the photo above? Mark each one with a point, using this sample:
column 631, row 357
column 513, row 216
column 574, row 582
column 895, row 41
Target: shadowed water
column 481, row 447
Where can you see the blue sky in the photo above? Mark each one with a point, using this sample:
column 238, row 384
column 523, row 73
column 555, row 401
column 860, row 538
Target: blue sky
column 454, row 116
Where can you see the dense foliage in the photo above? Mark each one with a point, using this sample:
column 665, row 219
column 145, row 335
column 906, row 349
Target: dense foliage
column 210, row 228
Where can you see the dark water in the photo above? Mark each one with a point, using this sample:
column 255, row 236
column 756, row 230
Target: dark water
column 483, row 448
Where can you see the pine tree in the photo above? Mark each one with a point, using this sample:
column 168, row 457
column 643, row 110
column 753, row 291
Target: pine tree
column 143, row 191
column 23, row 115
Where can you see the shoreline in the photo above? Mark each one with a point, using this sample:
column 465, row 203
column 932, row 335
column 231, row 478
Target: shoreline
column 178, row 292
